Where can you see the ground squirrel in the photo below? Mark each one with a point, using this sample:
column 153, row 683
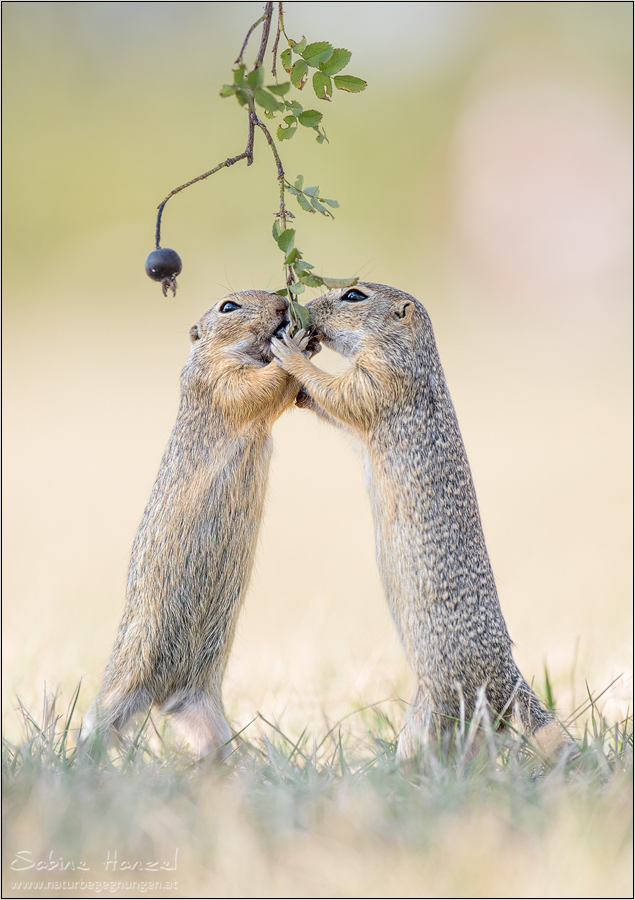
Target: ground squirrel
column 193, row 554
column 429, row 540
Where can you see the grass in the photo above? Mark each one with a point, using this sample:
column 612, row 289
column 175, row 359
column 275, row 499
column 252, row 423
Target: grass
column 319, row 816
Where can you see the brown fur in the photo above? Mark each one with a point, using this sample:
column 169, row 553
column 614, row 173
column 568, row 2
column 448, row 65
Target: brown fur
column 193, row 554
column 430, row 547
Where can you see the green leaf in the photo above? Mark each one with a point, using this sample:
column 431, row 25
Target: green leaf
column 294, row 107
column 332, row 203
column 302, row 266
column 285, row 134
column 279, row 89
column 349, row 83
column 338, row 60
column 285, row 59
column 286, row 239
column 297, row 288
column 299, row 312
column 267, row 100
column 292, row 256
column 289, row 119
column 239, row 75
column 312, row 191
column 242, row 97
column 321, row 136
column 256, row 78
column 297, row 184
column 276, row 230
column 339, row 282
column 227, row 90
column 298, row 74
column 310, row 118
column 283, row 292
column 317, row 53
column 322, row 86
column 311, row 280
column 317, row 205
column 297, row 46
column 304, row 203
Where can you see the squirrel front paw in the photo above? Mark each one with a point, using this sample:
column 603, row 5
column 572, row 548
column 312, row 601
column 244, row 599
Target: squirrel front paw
column 287, row 349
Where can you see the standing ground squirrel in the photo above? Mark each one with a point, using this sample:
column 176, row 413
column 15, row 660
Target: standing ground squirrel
column 193, row 554
column 429, row 540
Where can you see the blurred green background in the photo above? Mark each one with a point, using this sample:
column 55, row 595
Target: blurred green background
column 486, row 170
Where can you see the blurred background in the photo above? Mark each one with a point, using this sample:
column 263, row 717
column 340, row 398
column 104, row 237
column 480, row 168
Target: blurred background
column 486, row 170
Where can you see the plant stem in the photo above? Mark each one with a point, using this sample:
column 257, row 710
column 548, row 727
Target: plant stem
column 248, row 153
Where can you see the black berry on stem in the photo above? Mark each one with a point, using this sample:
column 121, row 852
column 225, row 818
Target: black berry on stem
column 164, row 265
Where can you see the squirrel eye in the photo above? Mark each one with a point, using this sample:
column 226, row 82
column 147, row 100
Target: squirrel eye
column 229, row 306
column 353, row 296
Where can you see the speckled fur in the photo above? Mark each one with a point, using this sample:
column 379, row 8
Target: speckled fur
column 193, row 554
column 430, row 547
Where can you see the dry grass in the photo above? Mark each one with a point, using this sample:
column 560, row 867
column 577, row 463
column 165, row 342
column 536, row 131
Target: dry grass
column 332, row 815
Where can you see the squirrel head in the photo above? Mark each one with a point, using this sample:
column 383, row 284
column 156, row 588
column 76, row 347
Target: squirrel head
column 240, row 326
column 351, row 319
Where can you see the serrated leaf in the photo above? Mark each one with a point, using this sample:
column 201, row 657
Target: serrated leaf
column 276, row 230
column 265, row 99
column 286, row 239
column 239, row 75
column 297, row 46
column 294, row 107
column 279, row 89
column 292, row 256
column 338, row 60
column 332, row 203
column 283, row 292
column 298, row 74
column 339, row 282
column 285, row 134
column 227, row 90
column 311, row 280
column 310, row 118
column 256, row 78
column 318, row 52
column 297, row 288
column 312, row 191
column 285, row 59
column 349, row 83
column 322, row 86
column 304, row 203
column 289, row 119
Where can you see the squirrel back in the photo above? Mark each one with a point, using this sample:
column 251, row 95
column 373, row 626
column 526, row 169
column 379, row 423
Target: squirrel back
column 430, row 545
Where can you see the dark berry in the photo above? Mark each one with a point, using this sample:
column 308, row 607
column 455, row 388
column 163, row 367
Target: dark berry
column 164, row 265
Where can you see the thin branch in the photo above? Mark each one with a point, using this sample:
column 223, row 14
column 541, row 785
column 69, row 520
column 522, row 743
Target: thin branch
column 249, row 33
column 280, row 30
column 248, row 153
column 265, row 33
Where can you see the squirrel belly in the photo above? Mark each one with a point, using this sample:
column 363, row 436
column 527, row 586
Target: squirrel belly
column 430, row 546
column 193, row 554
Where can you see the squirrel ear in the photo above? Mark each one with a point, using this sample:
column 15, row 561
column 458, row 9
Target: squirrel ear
column 195, row 333
column 403, row 311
